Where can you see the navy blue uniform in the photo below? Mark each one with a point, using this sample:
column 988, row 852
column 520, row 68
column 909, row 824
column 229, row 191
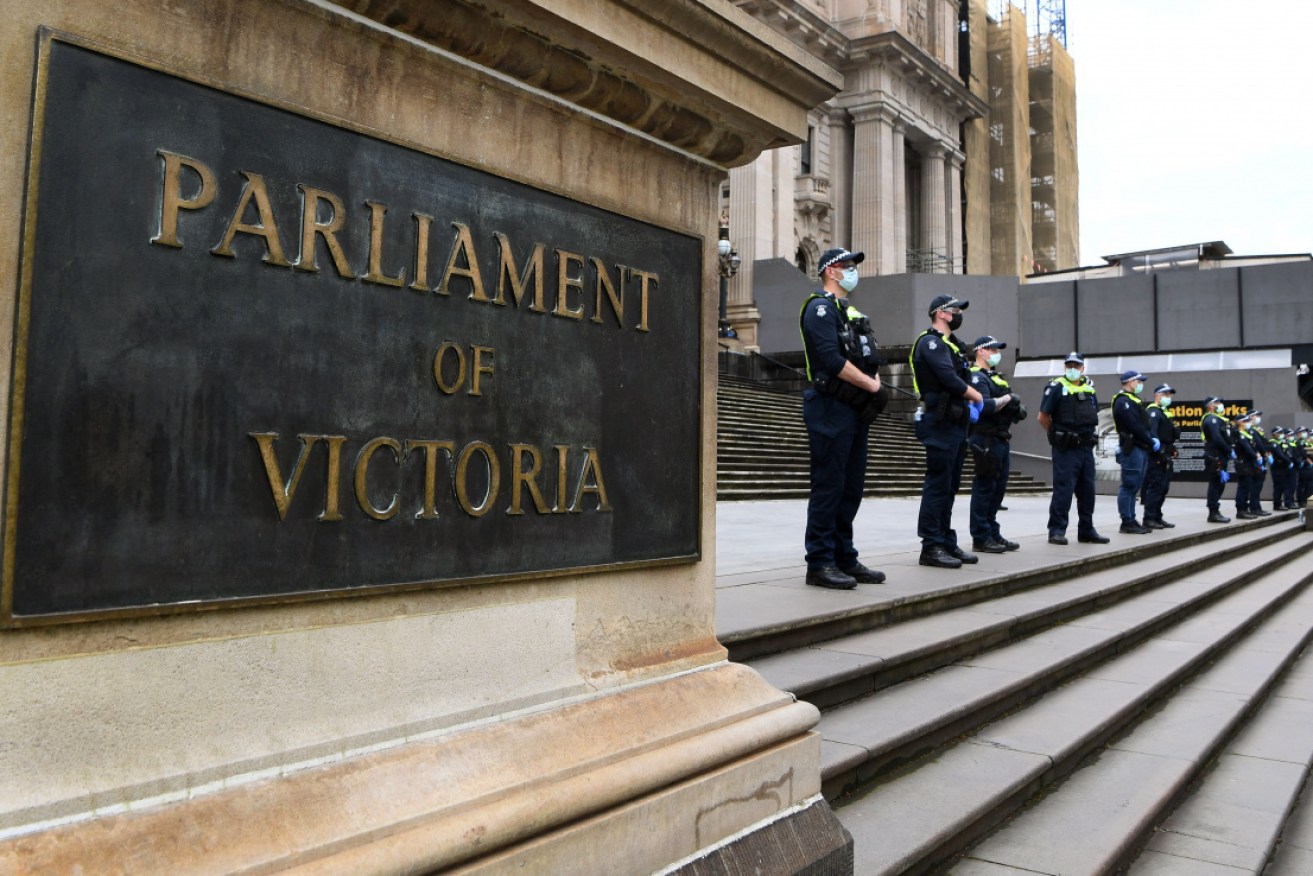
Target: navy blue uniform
column 836, row 437
column 1248, row 464
column 1304, row 483
column 1262, row 446
column 937, row 371
column 1132, row 422
column 1158, row 478
column 1281, row 466
column 1074, row 411
column 990, row 441
column 1216, row 433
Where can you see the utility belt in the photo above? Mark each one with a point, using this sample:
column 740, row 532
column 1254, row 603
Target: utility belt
column 947, row 408
column 868, row 405
column 1065, row 439
column 991, row 431
column 1126, row 441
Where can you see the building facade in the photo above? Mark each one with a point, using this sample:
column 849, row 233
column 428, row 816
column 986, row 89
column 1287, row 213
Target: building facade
column 926, row 160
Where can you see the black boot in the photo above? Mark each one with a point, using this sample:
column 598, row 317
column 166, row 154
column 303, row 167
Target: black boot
column 1216, row 517
column 862, row 575
column 831, row 578
column 937, row 556
column 963, row 555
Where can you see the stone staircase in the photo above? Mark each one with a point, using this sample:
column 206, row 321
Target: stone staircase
column 1143, row 707
column 761, row 448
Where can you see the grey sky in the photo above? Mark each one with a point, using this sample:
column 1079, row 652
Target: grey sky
column 1194, row 123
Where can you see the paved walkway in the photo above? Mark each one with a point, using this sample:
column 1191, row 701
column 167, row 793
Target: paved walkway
column 760, row 569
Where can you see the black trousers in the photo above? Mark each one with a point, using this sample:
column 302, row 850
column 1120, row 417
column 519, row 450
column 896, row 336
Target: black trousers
column 1157, row 481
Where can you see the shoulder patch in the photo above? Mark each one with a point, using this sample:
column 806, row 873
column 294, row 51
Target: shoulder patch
column 820, row 310
column 931, row 345
column 1048, row 389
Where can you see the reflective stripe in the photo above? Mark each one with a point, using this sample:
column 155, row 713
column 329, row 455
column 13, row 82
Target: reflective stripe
column 912, row 355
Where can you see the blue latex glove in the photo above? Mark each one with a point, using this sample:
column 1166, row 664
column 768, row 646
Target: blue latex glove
column 1157, row 445
column 1269, row 459
column 1223, row 476
column 1233, row 454
column 976, row 408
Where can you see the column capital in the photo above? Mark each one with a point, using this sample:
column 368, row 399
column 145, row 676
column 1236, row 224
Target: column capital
column 935, row 150
column 875, row 112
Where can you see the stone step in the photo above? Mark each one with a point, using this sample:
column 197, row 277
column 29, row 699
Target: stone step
column 1294, row 852
column 848, row 667
column 1252, row 785
column 904, row 721
column 752, row 627
column 1123, row 660
column 1123, row 793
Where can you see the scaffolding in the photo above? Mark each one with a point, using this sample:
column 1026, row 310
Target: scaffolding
column 1009, row 144
column 1033, row 177
column 1054, row 176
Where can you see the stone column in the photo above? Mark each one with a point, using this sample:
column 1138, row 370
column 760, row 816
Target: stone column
column 840, row 179
column 933, row 210
column 958, row 257
column 900, row 199
column 873, row 186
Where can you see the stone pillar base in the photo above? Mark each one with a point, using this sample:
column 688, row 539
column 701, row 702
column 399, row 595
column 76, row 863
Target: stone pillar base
column 807, row 842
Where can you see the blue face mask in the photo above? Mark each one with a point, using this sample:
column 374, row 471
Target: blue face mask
column 994, row 359
column 1139, row 388
column 1166, row 402
column 849, row 281
column 1073, row 374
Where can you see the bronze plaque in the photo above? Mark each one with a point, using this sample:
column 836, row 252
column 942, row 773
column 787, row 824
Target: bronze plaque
column 261, row 355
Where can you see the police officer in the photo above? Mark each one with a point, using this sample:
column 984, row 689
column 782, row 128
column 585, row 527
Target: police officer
column 1135, row 443
column 1248, row 464
column 1263, row 446
column 949, row 404
column 1304, row 487
column 1281, row 466
column 1069, row 413
column 839, row 352
column 989, row 442
column 1158, row 478
column 1218, row 453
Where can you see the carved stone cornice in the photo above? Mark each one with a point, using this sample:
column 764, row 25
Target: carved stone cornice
column 698, row 75
column 900, row 54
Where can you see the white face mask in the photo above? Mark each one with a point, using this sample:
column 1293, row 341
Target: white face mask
column 849, row 280
column 1073, row 374
column 994, row 359
column 1257, row 421
column 1166, row 401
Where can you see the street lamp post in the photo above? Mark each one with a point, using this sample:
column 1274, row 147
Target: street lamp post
column 729, row 262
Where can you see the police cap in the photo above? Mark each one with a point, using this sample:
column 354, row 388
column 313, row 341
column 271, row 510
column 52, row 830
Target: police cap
column 942, row 301
column 1163, row 387
column 1075, row 357
column 1128, row 376
column 1255, row 413
column 1211, row 400
column 989, row 341
column 834, row 256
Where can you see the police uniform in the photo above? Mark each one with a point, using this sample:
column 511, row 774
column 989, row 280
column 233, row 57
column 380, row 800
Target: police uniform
column 1248, row 464
column 1158, row 477
column 1281, row 468
column 1263, row 447
column 833, row 333
column 1216, row 432
column 989, row 441
column 1135, row 442
column 1305, row 482
column 1073, row 409
column 939, row 375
